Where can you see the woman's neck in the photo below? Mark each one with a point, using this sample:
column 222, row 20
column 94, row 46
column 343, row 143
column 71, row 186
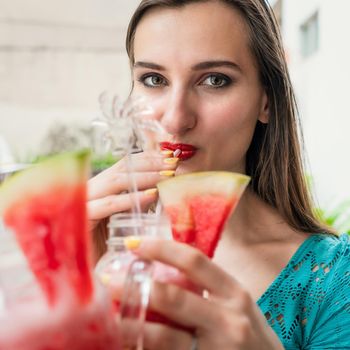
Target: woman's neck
column 256, row 245
column 255, row 221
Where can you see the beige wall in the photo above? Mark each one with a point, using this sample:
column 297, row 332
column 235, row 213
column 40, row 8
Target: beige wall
column 56, row 57
column 322, row 85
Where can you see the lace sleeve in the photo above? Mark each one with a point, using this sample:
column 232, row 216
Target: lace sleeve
column 332, row 327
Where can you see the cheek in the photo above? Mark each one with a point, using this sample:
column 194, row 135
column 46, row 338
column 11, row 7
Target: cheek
column 231, row 127
column 232, row 118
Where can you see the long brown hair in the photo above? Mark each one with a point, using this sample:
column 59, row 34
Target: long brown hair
column 274, row 158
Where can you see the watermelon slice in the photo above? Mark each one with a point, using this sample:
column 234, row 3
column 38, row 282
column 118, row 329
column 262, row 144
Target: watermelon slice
column 198, row 205
column 45, row 207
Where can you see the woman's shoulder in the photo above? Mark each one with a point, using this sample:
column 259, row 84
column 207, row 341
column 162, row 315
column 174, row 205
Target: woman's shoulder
column 330, row 292
column 319, row 259
column 332, row 241
column 330, row 263
column 316, row 260
column 323, row 251
column 301, row 303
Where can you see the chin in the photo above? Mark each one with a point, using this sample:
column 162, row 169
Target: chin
column 185, row 168
column 191, row 166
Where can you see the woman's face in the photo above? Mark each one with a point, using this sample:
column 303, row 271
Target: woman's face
column 194, row 66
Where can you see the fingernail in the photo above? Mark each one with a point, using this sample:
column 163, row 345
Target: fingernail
column 170, row 160
column 151, row 191
column 177, row 152
column 105, row 278
column 167, row 153
column 132, row 242
column 167, row 173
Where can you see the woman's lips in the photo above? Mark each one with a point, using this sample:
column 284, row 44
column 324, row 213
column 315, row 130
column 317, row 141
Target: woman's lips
column 187, row 151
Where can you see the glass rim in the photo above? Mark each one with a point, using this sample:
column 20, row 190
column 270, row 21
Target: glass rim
column 133, row 219
column 7, row 168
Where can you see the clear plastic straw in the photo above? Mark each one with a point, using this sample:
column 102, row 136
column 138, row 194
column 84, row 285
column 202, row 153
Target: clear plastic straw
column 118, row 133
column 123, row 129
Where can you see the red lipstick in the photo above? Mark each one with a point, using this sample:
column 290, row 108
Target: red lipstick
column 187, row 151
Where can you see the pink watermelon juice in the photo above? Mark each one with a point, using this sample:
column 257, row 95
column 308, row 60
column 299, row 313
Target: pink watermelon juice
column 53, row 253
column 33, row 325
column 44, row 207
column 208, row 217
column 199, row 204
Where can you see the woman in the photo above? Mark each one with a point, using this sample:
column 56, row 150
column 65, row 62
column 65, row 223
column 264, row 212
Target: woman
column 216, row 75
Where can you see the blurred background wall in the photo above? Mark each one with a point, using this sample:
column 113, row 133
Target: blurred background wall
column 56, row 57
column 315, row 34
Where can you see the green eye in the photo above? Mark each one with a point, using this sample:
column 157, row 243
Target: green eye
column 216, row 80
column 153, row 80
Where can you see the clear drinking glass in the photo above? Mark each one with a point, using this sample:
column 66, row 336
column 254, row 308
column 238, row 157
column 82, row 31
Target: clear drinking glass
column 128, row 278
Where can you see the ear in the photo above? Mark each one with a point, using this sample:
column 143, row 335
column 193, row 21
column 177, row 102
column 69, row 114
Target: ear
column 264, row 111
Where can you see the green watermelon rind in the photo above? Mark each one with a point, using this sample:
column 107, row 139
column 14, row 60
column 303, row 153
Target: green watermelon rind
column 66, row 168
column 177, row 195
column 192, row 183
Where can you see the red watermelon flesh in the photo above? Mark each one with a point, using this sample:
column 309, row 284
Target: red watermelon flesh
column 209, row 231
column 45, row 207
column 199, row 205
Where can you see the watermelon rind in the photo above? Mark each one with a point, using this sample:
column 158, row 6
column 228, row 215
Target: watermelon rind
column 199, row 204
column 173, row 190
column 45, row 208
column 66, row 168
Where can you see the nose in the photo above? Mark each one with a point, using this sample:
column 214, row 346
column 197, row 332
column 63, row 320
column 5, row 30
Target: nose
column 179, row 113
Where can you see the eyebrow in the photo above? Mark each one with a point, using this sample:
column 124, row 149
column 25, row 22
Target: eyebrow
column 149, row 65
column 198, row 66
column 216, row 64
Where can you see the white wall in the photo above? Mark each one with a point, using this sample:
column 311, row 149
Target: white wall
column 321, row 83
column 56, row 57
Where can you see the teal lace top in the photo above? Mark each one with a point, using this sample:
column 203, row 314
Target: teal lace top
column 308, row 304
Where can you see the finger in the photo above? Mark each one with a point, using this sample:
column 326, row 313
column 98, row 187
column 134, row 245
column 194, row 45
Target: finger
column 207, row 318
column 144, row 162
column 161, row 337
column 106, row 206
column 197, row 267
column 151, row 160
column 116, row 178
column 182, row 306
column 121, row 182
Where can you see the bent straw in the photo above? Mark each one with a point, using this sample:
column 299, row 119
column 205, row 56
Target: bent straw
column 115, row 134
